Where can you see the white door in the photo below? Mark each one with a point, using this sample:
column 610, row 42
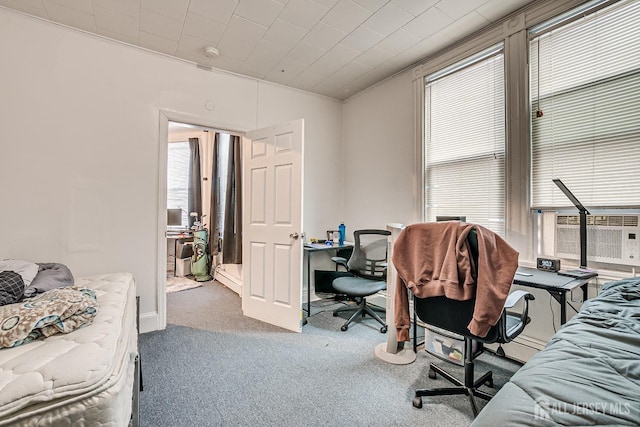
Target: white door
column 272, row 225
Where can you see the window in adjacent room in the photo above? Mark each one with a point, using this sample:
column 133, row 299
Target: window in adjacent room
column 178, row 178
column 465, row 141
column 585, row 107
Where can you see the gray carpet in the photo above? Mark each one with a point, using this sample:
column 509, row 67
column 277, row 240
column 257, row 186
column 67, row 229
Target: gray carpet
column 214, row 367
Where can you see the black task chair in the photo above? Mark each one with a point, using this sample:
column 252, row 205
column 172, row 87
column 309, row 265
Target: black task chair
column 368, row 265
column 454, row 316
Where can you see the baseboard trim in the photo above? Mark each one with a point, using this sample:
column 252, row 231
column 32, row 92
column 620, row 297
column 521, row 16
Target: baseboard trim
column 229, row 281
column 148, row 322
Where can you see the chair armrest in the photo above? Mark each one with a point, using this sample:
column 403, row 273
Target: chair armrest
column 516, row 296
column 340, row 261
column 523, row 316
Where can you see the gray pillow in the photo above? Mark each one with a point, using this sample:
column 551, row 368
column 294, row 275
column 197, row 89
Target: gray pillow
column 51, row 275
column 11, row 287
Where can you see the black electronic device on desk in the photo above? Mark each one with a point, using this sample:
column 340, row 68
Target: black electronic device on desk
column 578, row 273
column 548, row 264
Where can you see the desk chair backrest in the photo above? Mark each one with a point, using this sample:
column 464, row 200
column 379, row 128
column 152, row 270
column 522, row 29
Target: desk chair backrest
column 369, row 257
column 454, row 316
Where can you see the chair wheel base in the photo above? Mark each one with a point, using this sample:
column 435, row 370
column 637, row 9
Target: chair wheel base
column 344, row 328
column 383, row 330
column 417, row 402
column 432, row 374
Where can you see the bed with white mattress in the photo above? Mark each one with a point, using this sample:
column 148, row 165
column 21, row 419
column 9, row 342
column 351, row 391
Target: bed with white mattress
column 87, row 377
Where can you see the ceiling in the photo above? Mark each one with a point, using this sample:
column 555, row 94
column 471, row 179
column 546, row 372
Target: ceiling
column 330, row 47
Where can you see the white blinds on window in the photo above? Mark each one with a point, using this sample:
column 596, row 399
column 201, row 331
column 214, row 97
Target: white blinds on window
column 178, row 178
column 585, row 83
column 465, row 143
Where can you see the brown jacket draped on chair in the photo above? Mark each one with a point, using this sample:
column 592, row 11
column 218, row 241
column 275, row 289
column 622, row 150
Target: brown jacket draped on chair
column 433, row 259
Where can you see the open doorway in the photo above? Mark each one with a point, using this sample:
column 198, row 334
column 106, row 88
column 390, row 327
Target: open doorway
column 272, row 187
column 201, row 188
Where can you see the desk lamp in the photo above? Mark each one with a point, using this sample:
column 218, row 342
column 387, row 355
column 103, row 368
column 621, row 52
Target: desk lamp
column 583, row 221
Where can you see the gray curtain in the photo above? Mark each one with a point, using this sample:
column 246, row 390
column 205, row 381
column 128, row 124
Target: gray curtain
column 195, row 180
column 232, row 237
column 214, row 208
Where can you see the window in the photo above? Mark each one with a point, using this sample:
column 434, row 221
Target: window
column 178, row 178
column 465, row 141
column 585, row 105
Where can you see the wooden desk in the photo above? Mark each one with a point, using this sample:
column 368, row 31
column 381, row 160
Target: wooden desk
column 556, row 285
column 310, row 249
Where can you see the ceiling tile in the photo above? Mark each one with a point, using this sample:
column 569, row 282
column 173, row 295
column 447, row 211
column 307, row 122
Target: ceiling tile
column 125, row 7
column 425, row 48
column 261, row 11
column 31, row 4
column 116, row 22
column 70, row 17
column 428, row 23
column 203, row 28
column 361, row 39
column 346, row 16
column 464, row 26
column 305, row 53
column 388, row 19
column 225, row 63
column 328, row 4
column 284, row 33
column 265, row 57
column 268, row 49
column 160, row 25
column 216, row 10
column 337, row 57
column 194, row 57
column 496, row 9
column 287, row 70
column 83, row 6
column 303, row 13
column 372, row 5
column 240, row 38
column 118, row 36
column 311, row 77
column 323, row 36
column 415, row 7
column 458, row 8
column 192, row 45
column 175, row 9
column 399, row 41
column 32, row 7
column 375, row 56
column 351, row 71
column 153, row 42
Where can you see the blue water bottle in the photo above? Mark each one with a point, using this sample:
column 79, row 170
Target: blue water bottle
column 343, row 232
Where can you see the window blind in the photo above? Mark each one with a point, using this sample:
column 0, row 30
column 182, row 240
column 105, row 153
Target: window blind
column 465, row 141
column 585, row 109
column 178, row 178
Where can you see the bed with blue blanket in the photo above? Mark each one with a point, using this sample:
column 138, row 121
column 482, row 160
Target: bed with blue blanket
column 588, row 374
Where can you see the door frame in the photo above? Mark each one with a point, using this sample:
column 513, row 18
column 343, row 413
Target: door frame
column 165, row 116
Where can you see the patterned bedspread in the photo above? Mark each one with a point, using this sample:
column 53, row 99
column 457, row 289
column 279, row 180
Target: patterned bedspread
column 588, row 374
column 56, row 311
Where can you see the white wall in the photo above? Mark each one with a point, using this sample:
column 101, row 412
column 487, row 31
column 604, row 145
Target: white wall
column 79, row 145
column 381, row 180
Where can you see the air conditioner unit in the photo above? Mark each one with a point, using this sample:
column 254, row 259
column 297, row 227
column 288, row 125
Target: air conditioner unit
column 613, row 239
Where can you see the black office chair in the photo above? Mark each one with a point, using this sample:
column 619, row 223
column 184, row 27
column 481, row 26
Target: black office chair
column 454, row 316
column 368, row 265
